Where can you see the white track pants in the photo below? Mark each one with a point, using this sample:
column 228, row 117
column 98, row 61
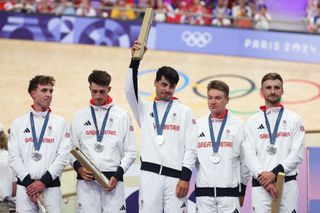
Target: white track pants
column 157, row 194
column 217, row 204
column 261, row 199
column 51, row 200
column 91, row 197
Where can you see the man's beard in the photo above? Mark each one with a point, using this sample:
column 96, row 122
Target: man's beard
column 272, row 100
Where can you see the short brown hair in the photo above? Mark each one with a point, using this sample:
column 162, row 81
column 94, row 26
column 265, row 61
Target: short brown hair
column 99, row 77
column 219, row 85
column 271, row 76
column 40, row 79
column 3, row 140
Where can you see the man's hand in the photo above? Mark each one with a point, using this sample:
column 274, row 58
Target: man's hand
column 85, row 174
column 35, row 188
column 271, row 188
column 241, row 200
column 182, row 188
column 265, row 178
column 137, row 46
column 112, row 184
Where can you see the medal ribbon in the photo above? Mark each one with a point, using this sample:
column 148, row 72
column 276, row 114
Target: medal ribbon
column 104, row 122
column 37, row 144
column 216, row 144
column 273, row 135
column 156, row 118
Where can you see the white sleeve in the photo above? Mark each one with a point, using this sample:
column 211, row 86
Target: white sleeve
column 295, row 157
column 244, row 171
column 134, row 100
column 129, row 145
column 74, row 140
column 251, row 159
column 15, row 158
column 63, row 153
column 190, row 138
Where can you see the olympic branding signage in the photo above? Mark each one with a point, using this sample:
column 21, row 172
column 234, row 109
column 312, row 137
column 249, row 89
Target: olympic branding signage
column 196, row 39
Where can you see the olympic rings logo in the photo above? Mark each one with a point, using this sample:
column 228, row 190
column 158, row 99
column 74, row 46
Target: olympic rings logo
column 196, row 39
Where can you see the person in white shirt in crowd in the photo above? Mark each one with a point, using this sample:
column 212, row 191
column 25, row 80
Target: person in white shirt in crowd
column 85, row 9
column 221, row 172
column 262, row 18
column 168, row 143
column 39, row 146
column 8, row 183
column 274, row 143
column 104, row 133
column 221, row 14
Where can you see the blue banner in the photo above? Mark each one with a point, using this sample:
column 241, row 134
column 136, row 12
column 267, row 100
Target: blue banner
column 163, row 36
column 239, row 42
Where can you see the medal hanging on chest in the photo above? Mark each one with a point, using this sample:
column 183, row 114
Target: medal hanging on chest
column 159, row 127
column 36, row 155
column 98, row 146
column 271, row 148
column 215, row 157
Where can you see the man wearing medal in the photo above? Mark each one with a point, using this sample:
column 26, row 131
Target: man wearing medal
column 274, row 143
column 221, row 172
column 39, row 145
column 168, row 143
column 104, row 133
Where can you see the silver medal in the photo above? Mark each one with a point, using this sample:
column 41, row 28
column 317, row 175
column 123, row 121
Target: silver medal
column 160, row 140
column 36, row 156
column 98, row 147
column 271, row 149
column 215, row 158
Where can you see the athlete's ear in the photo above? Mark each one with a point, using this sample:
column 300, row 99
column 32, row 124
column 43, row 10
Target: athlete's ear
column 109, row 88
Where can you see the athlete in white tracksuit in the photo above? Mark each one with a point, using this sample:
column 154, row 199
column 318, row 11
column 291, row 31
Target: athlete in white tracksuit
column 221, row 176
column 118, row 152
column 167, row 157
column 265, row 160
column 40, row 173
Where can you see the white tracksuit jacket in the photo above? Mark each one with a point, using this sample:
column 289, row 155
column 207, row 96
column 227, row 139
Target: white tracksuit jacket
column 231, row 170
column 119, row 144
column 180, row 132
column 54, row 148
column 289, row 142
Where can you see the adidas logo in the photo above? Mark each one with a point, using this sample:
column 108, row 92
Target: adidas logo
column 26, row 130
column 201, row 135
column 261, row 126
column 151, row 114
column 183, row 205
column 235, row 211
column 88, row 123
column 122, row 208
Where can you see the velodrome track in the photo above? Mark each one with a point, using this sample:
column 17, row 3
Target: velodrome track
column 71, row 64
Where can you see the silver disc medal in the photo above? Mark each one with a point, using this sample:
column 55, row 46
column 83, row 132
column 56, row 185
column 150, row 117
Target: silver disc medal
column 98, row 147
column 160, row 140
column 36, row 156
column 215, row 158
column 271, row 149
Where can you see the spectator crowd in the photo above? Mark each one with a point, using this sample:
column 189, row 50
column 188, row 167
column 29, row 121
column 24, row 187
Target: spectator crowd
column 238, row 13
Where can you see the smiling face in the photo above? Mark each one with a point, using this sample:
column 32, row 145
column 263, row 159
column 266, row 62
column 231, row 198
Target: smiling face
column 271, row 91
column 164, row 90
column 217, row 102
column 42, row 97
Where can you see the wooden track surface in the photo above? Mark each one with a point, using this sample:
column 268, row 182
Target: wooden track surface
column 71, row 65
